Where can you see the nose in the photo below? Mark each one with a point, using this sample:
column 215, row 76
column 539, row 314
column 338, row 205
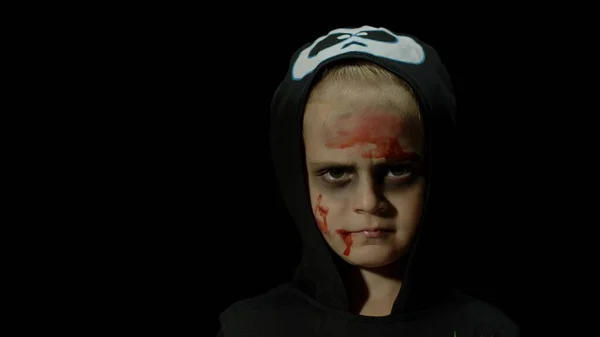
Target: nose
column 369, row 199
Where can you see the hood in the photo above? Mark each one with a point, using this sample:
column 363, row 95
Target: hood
column 418, row 64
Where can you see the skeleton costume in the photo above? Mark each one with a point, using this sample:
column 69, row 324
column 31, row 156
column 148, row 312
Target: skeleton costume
column 315, row 302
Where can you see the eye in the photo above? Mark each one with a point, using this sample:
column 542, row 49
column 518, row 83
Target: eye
column 336, row 175
column 400, row 171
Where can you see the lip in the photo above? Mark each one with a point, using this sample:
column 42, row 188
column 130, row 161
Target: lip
column 372, row 232
column 374, row 229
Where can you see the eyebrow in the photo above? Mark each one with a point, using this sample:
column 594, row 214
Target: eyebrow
column 330, row 163
column 415, row 158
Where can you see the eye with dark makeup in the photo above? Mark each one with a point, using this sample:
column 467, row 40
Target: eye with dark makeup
column 394, row 174
column 399, row 171
column 336, row 175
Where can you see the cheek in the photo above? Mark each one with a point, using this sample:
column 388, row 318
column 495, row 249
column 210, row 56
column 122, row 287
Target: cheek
column 321, row 213
column 409, row 204
column 328, row 212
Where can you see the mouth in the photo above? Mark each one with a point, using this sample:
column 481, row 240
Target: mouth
column 371, row 232
column 353, row 42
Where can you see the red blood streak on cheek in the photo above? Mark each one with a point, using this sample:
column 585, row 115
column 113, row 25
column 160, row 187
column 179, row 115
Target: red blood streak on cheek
column 321, row 214
column 347, row 237
column 379, row 130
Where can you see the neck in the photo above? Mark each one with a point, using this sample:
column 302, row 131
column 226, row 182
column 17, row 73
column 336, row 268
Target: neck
column 373, row 291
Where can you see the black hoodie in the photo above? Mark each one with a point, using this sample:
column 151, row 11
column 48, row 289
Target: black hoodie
column 315, row 303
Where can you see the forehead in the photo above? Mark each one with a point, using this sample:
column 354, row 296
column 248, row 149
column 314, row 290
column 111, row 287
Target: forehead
column 340, row 118
column 324, row 120
column 332, row 105
column 342, row 97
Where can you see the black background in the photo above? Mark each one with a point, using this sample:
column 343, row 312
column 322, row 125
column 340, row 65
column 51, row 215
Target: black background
column 206, row 224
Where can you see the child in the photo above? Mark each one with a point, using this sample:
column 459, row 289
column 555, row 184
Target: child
column 360, row 127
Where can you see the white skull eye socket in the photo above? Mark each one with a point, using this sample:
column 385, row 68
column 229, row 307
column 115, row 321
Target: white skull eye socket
column 344, row 36
column 362, row 34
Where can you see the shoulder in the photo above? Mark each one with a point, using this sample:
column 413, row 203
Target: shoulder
column 269, row 301
column 486, row 318
column 276, row 306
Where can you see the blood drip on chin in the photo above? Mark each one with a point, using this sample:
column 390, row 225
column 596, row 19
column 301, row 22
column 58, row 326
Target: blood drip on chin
column 347, row 238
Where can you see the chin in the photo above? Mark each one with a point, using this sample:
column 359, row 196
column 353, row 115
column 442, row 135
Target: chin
column 371, row 256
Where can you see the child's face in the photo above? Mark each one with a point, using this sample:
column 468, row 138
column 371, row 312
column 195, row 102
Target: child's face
column 364, row 164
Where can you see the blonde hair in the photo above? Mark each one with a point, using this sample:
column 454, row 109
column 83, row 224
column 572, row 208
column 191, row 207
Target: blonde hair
column 365, row 72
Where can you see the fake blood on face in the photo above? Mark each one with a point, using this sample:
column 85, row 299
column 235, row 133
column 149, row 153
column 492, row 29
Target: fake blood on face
column 347, row 237
column 381, row 131
column 321, row 212
column 321, row 217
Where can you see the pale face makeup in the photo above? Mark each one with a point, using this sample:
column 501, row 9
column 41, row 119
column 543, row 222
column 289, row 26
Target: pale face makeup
column 364, row 158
